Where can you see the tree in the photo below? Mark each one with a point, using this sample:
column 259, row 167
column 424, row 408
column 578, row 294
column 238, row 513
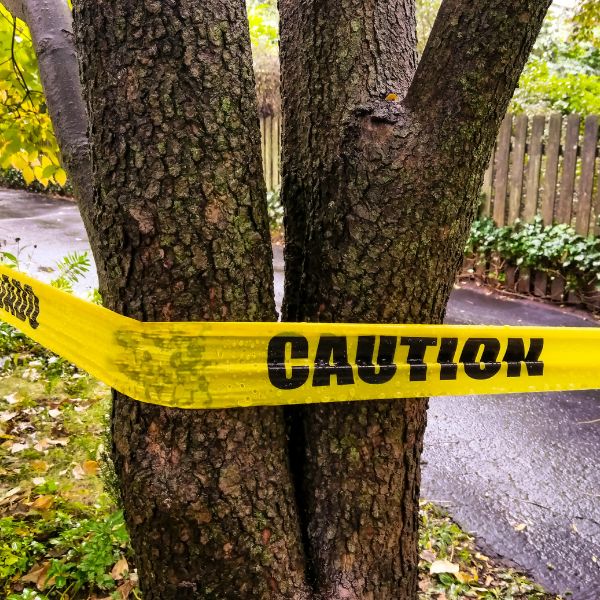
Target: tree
column 382, row 162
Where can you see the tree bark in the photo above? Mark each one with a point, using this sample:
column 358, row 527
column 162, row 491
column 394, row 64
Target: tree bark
column 182, row 234
column 379, row 192
column 50, row 24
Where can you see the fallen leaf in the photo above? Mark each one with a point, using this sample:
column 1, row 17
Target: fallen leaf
column 125, row 589
column 54, row 412
column 391, row 97
column 120, row 569
column 42, row 502
column 574, row 528
column 520, row 527
column 33, row 574
column 39, row 466
column 428, row 555
column 443, row 566
column 467, row 577
column 38, row 480
column 78, row 472
column 90, row 467
column 38, row 575
column 42, row 445
column 7, row 416
column 59, row 442
column 18, row 447
column 9, row 496
column 11, row 398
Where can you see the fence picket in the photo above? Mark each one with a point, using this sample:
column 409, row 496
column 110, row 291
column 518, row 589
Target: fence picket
column 551, row 175
column 268, row 152
column 486, row 188
column 586, row 180
column 533, row 167
column 501, row 179
column 517, row 168
column 564, row 210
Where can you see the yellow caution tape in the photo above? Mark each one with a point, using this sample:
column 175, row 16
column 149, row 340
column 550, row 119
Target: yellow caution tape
column 221, row 365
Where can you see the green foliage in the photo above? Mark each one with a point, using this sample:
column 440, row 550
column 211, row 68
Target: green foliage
column 71, row 268
column 562, row 74
column 569, row 83
column 555, row 249
column 13, row 179
column 586, row 22
column 75, row 551
column 275, row 209
column 263, row 20
column 27, row 142
column 427, row 11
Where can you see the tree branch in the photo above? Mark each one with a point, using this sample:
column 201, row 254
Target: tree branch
column 51, row 27
column 472, row 62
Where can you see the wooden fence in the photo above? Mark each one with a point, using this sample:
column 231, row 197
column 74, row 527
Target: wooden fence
column 541, row 164
column 270, row 131
column 545, row 165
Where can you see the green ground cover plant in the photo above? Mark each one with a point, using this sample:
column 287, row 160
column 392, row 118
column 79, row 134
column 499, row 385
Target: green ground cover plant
column 554, row 249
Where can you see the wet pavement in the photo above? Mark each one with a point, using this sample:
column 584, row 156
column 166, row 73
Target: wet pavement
column 519, row 471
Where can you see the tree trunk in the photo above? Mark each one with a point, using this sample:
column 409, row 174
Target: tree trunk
column 381, row 173
column 182, row 234
column 50, row 24
column 382, row 165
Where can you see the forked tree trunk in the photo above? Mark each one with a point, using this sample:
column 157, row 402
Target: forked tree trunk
column 382, row 165
column 381, row 173
column 180, row 213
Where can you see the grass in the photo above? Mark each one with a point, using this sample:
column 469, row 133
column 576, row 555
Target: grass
column 62, row 535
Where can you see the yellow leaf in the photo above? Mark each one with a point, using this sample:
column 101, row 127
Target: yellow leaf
column 39, row 466
column 45, row 161
column 60, row 177
column 18, row 162
column 466, row 577
column 28, row 174
column 42, row 503
column 90, row 467
column 38, row 171
column 391, row 97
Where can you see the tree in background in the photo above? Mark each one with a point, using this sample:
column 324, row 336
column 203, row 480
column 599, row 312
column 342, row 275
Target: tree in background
column 586, row 21
column 27, row 142
column 563, row 72
column 383, row 158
